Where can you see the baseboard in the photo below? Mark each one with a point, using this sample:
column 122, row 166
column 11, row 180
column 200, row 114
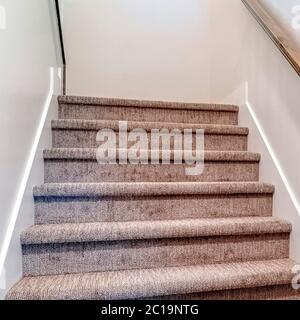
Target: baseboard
column 22, row 214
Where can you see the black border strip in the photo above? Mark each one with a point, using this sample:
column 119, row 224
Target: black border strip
column 62, row 46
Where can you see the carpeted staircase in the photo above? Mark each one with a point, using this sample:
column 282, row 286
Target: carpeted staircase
column 151, row 231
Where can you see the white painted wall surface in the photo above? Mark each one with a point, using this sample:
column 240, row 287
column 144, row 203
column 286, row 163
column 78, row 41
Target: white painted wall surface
column 27, row 102
column 150, row 49
column 274, row 98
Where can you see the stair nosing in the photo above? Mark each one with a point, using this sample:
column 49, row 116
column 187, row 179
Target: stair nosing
column 146, row 230
column 96, row 125
column 113, row 189
column 118, row 102
column 91, row 154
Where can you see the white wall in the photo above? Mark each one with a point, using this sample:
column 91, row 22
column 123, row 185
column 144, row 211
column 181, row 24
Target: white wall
column 27, row 95
column 149, row 49
column 135, row 48
column 273, row 96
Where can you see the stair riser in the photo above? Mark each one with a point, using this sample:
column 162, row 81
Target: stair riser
column 84, row 209
column 89, row 112
column 87, row 139
column 125, row 255
column 90, row 171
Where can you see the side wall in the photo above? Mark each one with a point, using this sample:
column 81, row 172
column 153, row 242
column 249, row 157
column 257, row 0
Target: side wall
column 149, row 49
column 273, row 98
column 29, row 84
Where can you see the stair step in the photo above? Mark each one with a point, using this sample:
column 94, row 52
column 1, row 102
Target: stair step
column 70, row 248
column 143, row 283
column 95, row 202
column 79, row 133
column 116, row 231
column 80, row 165
column 151, row 189
column 136, row 110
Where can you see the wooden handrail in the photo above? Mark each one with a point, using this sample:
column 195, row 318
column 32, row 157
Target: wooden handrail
column 280, row 37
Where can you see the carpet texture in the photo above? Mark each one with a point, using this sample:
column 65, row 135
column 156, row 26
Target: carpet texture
column 119, row 109
column 141, row 283
column 70, row 133
column 80, row 165
column 124, row 231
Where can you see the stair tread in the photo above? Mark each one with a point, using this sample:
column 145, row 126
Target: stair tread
column 137, row 230
column 142, row 283
column 95, row 125
column 90, row 154
column 99, row 101
column 111, row 189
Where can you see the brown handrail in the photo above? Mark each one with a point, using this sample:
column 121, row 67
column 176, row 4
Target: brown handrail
column 280, row 37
